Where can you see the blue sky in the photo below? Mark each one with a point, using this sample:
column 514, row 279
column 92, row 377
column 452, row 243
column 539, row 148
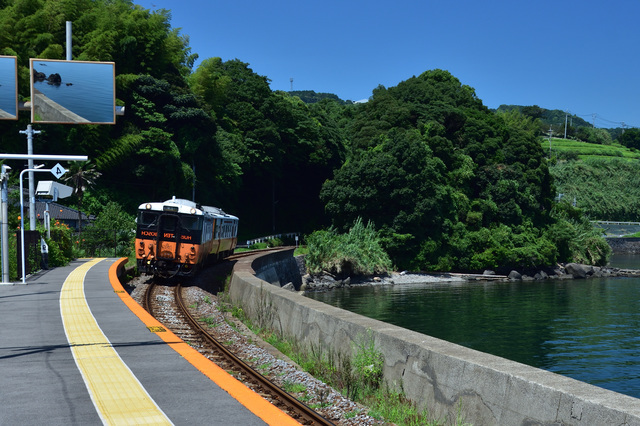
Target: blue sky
column 581, row 56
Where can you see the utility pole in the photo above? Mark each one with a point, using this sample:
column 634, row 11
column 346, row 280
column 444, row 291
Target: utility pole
column 32, row 198
column 566, row 116
column 30, row 132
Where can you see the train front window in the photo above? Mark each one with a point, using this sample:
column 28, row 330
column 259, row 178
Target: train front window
column 146, row 218
column 192, row 223
column 169, row 223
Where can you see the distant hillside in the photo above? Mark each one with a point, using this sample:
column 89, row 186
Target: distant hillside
column 548, row 117
column 603, row 180
column 311, row 97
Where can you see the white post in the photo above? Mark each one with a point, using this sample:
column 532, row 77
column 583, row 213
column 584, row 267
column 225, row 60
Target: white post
column 24, row 269
column 69, row 44
column 32, row 198
column 47, row 220
column 4, row 177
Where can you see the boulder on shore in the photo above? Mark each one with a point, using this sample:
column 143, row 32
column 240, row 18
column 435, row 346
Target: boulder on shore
column 515, row 276
column 578, row 270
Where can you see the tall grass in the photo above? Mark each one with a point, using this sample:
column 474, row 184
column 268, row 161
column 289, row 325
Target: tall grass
column 357, row 252
column 359, row 378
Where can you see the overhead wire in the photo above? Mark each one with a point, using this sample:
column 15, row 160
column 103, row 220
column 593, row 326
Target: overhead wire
column 594, row 116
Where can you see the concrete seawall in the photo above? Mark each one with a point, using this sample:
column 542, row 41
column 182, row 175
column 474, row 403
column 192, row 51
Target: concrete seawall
column 624, row 245
column 49, row 111
column 444, row 377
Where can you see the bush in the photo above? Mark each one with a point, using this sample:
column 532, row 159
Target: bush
column 576, row 238
column 60, row 246
column 357, row 252
column 275, row 242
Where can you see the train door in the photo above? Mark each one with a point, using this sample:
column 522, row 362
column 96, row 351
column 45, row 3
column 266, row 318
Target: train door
column 168, row 237
column 216, row 236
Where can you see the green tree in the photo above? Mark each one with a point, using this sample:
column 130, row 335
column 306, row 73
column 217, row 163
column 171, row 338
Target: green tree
column 81, row 176
column 113, row 228
column 593, row 135
column 282, row 149
column 448, row 183
column 630, row 138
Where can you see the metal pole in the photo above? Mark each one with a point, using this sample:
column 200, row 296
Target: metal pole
column 22, row 227
column 24, row 269
column 69, row 44
column 39, row 157
column 47, row 221
column 5, row 224
column 30, row 157
column 32, row 193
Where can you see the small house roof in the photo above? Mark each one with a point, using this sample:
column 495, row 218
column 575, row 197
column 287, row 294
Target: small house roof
column 60, row 212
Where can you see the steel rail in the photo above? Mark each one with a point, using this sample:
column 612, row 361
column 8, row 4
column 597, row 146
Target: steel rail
column 147, row 298
column 284, row 397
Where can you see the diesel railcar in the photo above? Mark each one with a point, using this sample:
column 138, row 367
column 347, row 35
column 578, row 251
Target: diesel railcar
column 176, row 237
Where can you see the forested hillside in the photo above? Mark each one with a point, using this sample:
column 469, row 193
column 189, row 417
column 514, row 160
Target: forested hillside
column 449, row 184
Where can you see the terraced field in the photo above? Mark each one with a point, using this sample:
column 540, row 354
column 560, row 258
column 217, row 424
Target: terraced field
column 584, row 150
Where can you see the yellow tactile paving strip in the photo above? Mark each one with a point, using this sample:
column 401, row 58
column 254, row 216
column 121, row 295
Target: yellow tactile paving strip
column 119, row 397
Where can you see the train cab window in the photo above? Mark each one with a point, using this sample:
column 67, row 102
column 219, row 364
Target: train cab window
column 147, row 218
column 168, row 223
column 192, row 223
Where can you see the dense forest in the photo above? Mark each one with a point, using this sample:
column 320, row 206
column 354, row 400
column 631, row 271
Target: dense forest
column 447, row 183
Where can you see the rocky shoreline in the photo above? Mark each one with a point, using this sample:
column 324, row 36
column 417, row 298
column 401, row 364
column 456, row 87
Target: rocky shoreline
column 569, row 271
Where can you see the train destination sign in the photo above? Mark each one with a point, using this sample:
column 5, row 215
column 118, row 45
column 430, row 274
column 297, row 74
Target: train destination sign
column 8, row 88
column 72, row 92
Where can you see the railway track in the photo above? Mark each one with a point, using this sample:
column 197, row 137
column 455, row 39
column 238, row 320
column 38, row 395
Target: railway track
column 165, row 303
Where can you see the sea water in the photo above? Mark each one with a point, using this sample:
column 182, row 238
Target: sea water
column 584, row 329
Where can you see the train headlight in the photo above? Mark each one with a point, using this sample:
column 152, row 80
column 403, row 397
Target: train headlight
column 193, row 211
column 148, row 206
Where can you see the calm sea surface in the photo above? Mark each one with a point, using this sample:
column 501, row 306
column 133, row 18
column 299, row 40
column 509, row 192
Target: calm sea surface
column 584, row 329
column 8, row 91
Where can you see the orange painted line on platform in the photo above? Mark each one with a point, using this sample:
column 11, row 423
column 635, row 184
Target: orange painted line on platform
column 251, row 400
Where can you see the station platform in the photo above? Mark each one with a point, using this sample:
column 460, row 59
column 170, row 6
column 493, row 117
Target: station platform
column 76, row 349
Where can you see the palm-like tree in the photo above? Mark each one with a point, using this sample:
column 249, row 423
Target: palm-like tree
column 81, row 175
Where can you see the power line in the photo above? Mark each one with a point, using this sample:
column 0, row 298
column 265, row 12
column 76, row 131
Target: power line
column 595, row 116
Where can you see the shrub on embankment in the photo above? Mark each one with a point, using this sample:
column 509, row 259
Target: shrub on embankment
column 362, row 250
column 357, row 252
